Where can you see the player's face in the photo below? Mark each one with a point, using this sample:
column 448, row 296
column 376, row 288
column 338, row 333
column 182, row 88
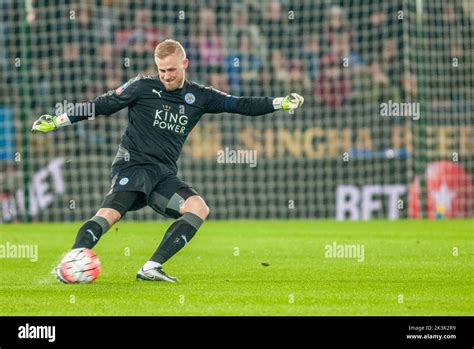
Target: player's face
column 171, row 70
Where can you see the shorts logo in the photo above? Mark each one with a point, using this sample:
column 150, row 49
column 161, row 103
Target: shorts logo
column 189, row 98
column 123, row 181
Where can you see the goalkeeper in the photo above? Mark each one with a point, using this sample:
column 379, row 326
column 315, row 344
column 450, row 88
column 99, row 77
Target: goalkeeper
column 162, row 112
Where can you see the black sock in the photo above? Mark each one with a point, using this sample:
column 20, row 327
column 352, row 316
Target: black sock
column 90, row 233
column 176, row 237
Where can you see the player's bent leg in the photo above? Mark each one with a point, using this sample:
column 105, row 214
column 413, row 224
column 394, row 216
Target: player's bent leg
column 110, row 214
column 195, row 205
column 192, row 211
column 88, row 235
column 90, row 232
column 113, row 208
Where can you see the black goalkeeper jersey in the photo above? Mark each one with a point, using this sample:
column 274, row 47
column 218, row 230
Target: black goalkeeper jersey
column 160, row 120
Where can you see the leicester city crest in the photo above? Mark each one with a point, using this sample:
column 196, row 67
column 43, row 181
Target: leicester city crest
column 189, row 98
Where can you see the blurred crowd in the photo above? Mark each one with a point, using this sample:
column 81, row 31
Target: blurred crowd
column 341, row 55
column 335, row 53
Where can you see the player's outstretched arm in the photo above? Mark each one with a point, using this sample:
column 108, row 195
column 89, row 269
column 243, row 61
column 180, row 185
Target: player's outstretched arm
column 106, row 104
column 219, row 102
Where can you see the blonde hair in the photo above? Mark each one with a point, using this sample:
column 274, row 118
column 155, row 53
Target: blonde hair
column 169, row 47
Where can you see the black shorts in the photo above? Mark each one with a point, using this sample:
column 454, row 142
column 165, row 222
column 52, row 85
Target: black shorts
column 157, row 187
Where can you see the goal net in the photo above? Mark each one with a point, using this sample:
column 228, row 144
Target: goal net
column 386, row 130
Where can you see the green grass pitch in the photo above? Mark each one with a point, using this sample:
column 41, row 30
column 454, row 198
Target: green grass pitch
column 253, row 268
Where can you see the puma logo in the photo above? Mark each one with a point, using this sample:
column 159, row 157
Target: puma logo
column 157, row 92
column 94, row 238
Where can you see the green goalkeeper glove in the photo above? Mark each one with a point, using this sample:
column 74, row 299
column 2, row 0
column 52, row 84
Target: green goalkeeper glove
column 292, row 101
column 48, row 123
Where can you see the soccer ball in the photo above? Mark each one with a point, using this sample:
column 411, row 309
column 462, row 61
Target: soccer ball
column 80, row 266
